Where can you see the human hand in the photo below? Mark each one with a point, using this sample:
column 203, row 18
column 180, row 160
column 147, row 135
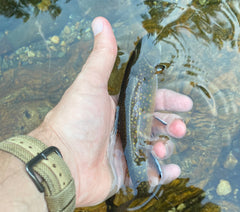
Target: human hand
column 81, row 123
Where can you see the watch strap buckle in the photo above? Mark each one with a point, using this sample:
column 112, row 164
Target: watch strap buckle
column 38, row 158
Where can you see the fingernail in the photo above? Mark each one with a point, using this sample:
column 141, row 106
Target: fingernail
column 97, row 26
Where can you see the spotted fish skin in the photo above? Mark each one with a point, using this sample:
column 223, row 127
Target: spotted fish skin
column 136, row 106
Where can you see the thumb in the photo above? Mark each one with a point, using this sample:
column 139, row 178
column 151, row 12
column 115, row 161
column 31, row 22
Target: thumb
column 100, row 63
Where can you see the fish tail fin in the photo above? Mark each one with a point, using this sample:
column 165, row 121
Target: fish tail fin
column 153, row 195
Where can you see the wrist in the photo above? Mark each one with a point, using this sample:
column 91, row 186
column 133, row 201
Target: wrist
column 49, row 137
column 17, row 192
column 78, row 160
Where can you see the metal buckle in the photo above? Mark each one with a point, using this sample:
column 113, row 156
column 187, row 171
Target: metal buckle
column 37, row 159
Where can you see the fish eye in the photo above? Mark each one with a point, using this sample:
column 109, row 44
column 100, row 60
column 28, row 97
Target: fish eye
column 159, row 68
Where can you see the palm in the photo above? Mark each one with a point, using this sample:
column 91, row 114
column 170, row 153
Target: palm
column 87, row 118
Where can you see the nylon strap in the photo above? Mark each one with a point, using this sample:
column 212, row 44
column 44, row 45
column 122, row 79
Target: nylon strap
column 59, row 188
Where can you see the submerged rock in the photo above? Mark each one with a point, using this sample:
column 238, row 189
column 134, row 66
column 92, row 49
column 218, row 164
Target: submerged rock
column 55, row 39
column 223, row 188
column 231, row 161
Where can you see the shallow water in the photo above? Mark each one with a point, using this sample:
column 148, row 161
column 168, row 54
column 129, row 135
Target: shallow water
column 200, row 52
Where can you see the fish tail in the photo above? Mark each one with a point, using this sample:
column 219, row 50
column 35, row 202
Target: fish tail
column 153, row 195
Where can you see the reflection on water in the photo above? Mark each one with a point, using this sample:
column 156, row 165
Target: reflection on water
column 200, row 52
column 26, row 8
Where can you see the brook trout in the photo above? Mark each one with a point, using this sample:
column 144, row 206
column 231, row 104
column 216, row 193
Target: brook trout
column 136, row 107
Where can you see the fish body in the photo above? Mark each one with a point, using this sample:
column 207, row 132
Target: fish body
column 136, row 107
